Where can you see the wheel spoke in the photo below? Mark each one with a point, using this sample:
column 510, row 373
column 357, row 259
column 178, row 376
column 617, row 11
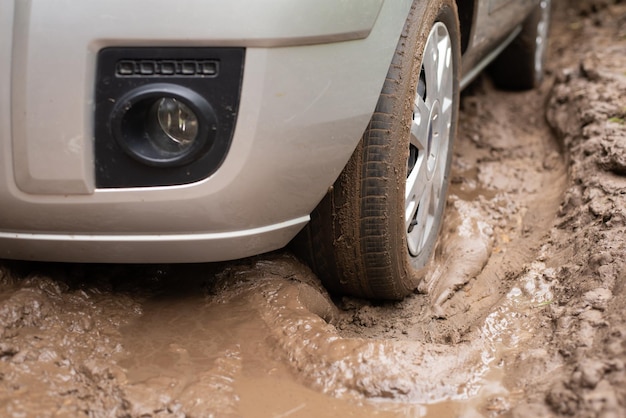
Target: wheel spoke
column 416, row 184
column 443, row 60
column 433, row 195
column 419, row 125
column 445, row 93
column 421, row 229
column 430, row 64
column 437, row 62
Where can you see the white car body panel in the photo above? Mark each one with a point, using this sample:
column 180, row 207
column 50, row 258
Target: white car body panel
column 293, row 136
column 312, row 76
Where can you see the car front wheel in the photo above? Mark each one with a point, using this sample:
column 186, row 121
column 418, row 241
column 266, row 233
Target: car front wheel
column 376, row 230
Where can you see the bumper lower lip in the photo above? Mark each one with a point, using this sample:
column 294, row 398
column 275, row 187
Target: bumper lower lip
column 189, row 248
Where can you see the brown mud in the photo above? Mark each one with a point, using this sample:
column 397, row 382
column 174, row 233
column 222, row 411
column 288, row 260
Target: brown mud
column 522, row 313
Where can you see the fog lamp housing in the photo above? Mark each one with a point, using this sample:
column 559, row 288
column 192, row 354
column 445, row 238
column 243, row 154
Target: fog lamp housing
column 164, row 116
column 163, row 125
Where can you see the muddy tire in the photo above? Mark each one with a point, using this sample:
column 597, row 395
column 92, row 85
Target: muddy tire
column 521, row 64
column 375, row 231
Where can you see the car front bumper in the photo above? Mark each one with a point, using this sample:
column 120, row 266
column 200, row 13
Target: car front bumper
column 310, row 84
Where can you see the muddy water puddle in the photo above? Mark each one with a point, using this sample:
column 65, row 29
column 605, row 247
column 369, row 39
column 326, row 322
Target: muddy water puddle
column 197, row 353
column 256, row 349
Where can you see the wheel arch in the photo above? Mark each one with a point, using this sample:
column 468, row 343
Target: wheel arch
column 467, row 11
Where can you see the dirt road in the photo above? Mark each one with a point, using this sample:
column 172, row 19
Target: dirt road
column 522, row 314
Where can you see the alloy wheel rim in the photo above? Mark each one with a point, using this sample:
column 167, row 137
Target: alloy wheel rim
column 429, row 142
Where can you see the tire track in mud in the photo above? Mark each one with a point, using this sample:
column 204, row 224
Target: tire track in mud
column 389, row 352
column 507, row 183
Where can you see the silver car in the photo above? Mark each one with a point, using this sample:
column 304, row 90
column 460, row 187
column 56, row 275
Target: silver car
column 205, row 130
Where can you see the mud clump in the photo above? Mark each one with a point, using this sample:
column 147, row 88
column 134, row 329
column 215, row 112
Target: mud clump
column 589, row 7
column 587, row 109
column 55, row 350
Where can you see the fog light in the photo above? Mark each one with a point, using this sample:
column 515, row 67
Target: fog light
column 163, row 125
column 173, row 125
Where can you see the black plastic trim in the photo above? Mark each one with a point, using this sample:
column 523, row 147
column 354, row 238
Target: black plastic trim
column 123, row 155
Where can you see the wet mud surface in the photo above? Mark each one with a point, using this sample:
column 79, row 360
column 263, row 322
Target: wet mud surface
column 522, row 314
